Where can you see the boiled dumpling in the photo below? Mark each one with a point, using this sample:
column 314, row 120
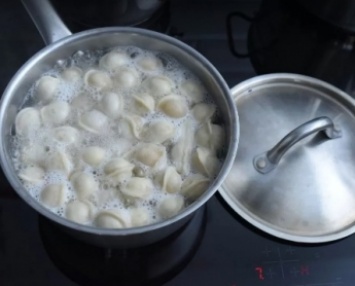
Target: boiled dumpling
column 59, row 161
column 193, row 90
column 93, row 121
column 170, row 206
column 79, row 211
column 143, row 103
column 203, row 111
column 33, row 154
column 55, row 113
column 139, row 217
column 93, row 155
column 152, row 155
column 27, row 120
column 54, row 195
column 98, row 79
column 137, row 188
column 159, row 85
column 150, row 63
column 111, row 219
column 169, row 180
column 130, row 126
column 83, row 102
column 173, row 105
column 194, row 186
column 158, row 131
column 125, row 79
column 66, row 134
column 46, row 88
column 114, row 60
column 33, row 175
column 111, row 104
column 72, row 74
column 181, row 151
column 210, row 136
column 118, row 170
column 84, row 185
column 205, row 162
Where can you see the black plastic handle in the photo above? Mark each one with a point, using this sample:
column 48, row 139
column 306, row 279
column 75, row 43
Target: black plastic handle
column 230, row 32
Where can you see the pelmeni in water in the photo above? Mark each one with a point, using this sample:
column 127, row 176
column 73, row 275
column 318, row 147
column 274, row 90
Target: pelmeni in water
column 118, row 138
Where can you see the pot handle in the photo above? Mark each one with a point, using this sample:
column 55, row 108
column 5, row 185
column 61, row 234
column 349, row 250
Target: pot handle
column 46, row 19
column 267, row 161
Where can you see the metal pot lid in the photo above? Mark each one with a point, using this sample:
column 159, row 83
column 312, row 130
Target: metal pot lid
column 294, row 173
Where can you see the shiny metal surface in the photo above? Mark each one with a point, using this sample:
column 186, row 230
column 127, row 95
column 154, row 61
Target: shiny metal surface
column 47, row 21
column 44, row 60
column 310, row 196
column 267, row 161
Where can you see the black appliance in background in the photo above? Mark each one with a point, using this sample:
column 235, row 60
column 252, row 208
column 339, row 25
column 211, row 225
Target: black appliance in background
column 217, row 247
column 314, row 38
column 83, row 15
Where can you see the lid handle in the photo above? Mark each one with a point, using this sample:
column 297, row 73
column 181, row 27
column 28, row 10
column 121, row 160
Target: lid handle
column 267, row 161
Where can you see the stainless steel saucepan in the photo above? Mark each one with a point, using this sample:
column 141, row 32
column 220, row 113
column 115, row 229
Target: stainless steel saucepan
column 61, row 45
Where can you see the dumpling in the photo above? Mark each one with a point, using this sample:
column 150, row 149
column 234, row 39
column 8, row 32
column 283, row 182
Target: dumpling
column 143, row 103
column 170, row 206
column 181, row 151
column 193, row 90
column 54, row 195
column 210, row 136
column 114, row 60
column 66, row 134
column 139, row 217
column 59, row 161
column 159, row 85
column 158, row 131
column 152, row 155
column 33, row 154
column 194, row 186
column 27, row 121
column 126, row 78
column 169, row 180
column 55, row 113
column 93, row 121
column 137, row 188
column 93, row 155
column 205, row 162
column 111, row 104
column 203, row 111
column 98, row 79
column 46, row 88
column 79, row 211
column 72, row 74
column 33, row 175
column 130, row 126
column 118, row 170
column 149, row 63
column 84, row 184
column 111, row 219
column 83, row 102
column 173, row 105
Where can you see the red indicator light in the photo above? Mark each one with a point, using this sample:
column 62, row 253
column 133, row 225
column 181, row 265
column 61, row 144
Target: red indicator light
column 304, row 270
column 260, row 270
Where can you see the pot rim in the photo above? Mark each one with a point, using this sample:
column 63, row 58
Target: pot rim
column 60, row 44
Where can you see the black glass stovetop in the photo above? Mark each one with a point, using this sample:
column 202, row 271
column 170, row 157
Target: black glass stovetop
column 216, row 248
